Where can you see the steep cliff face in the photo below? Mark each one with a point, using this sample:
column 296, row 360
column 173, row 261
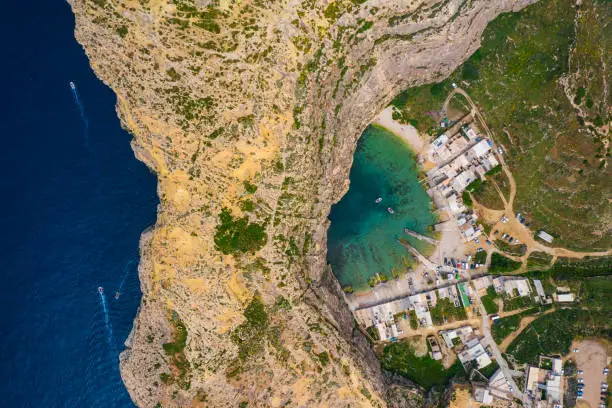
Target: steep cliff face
column 249, row 113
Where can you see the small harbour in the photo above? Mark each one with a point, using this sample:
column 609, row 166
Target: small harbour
column 363, row 237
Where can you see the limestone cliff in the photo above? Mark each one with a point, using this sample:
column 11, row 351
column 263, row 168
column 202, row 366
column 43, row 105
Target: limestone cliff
column 249, row 113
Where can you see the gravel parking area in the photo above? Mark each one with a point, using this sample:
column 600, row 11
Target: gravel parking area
column 591, row 359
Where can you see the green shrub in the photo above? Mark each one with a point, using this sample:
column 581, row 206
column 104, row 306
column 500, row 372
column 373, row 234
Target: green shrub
column 502, row 264
column 238, row 235
column 250, row 188
column 250, row 335
column 480, row 257
column 488, row 301
column 122, row 31
column 400, row 358
column 553, row 333
column 467, row 199
column 174, row 76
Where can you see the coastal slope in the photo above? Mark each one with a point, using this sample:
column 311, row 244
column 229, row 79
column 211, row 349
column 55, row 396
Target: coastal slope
column 249, row 114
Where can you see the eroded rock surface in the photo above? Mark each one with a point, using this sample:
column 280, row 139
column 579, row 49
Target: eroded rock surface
column 252, row 110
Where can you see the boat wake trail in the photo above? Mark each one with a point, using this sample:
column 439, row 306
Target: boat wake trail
column 125, row 275
column 77, row 100
column 109, row 328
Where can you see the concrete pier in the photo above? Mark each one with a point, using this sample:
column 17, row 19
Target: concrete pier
column 420, row 236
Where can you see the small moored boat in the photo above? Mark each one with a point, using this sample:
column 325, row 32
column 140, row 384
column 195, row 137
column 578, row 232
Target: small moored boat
column 378, row 200
column 390, row 210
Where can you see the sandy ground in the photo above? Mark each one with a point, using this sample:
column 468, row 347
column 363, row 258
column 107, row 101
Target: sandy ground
column 463, row 399
column 592, row 358
column 406, row 132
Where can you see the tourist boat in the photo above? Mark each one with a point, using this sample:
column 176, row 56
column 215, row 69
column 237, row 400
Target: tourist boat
column 378, row 200
column 117, row 295
column 72, row 85
column 100, row 290
column 390, row 210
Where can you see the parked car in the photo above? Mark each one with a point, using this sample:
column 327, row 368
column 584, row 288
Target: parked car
column 580, row 372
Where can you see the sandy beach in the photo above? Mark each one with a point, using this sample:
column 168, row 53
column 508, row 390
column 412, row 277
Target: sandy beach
column 407, row 132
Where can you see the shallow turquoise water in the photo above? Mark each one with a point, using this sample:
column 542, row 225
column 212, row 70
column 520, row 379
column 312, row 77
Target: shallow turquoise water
column 362, row 239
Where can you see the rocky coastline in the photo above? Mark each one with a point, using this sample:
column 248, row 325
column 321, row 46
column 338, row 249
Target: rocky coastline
column 260, row 105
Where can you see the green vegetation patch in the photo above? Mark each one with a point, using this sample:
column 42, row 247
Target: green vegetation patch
column 502, row 264
column 400, row 358
column 538, row 260
column 176, row 350
column 238, row 235
column 446, row 309
column 250, row 188
column 596, row 293
column 488, row 301
column 480, row 257
column 557, row 160
column 489, row 370
column 122, row 31
column 249, row 336
column 517, row 302
column 565, row 268
column 553, row 333
column 505, row 326
column 516, row 250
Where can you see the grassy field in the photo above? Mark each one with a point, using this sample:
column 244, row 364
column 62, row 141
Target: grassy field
column 596, row 294
column 400, row 358
column 556, row 152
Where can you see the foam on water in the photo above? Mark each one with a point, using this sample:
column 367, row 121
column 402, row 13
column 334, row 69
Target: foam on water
column 77, row 100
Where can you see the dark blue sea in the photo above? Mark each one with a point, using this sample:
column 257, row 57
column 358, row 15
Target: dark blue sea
column 74, row 202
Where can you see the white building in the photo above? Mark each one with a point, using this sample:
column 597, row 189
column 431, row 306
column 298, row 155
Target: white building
column 475, row 353
column 564, row 297
column 482, row 395
column 545, row 236
column 521, row 285
column 539, row 288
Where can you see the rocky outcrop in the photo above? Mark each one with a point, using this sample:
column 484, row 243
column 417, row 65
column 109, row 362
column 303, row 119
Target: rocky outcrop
column 249, row 114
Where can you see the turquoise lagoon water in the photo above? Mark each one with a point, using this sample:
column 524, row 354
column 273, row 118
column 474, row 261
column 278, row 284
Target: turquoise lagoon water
column 362, row 238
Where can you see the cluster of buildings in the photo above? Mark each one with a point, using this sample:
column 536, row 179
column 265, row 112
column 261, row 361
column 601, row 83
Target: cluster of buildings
column 562, row 294
column 473, row 349
column 545, row 386
column 460, row 159
column 383, row 316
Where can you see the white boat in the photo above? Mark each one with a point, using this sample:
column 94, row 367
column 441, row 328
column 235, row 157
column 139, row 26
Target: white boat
column 390, row 210
column 378, row 200
column 100, row 290
column 72, row 85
